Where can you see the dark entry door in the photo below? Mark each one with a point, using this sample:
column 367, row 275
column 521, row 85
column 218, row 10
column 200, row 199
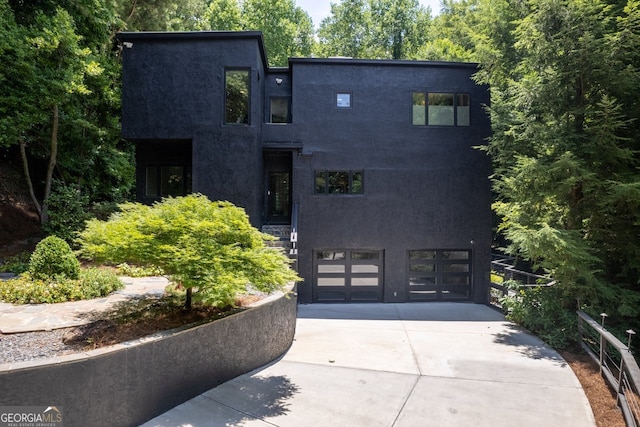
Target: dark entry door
column 279, row 198
column 277, row 179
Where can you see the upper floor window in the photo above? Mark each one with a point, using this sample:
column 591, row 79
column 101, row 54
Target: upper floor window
column 339, row 182
column 440, row 109
column 343, row 99
column 236, row 97
column 279, row 110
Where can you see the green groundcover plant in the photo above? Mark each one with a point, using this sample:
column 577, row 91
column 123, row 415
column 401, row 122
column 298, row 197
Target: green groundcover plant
column 54, row 275
column 91, row 283
column 208, row 248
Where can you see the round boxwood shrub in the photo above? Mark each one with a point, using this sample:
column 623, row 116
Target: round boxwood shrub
column 53, row 258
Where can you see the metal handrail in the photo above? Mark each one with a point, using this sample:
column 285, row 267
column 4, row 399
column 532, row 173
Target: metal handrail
column 293, row 238
column 617, row 364
column 503, row 266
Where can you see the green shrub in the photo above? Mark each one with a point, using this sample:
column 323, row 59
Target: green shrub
column 16, row 264
column 543, row 311
column 129, row 270
column 53, row 258
column 92, row 283
column 98, row 282
column 67, row 209
column 103, row 210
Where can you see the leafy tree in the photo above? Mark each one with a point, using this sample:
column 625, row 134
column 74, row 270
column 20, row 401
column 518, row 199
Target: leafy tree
column 207, row 246
column 222, row 15
column 346, row 31
column 386, row 29
column 564, row 115
column 400, row 27
column 59, row 57
column 51, row 67
column 450, row 35
column 161, row 15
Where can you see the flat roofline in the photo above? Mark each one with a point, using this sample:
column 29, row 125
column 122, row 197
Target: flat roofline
column 132, row 36
column 162, row 35
column 391, row 62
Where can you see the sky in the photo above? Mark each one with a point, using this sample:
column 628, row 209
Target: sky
column 320, row 9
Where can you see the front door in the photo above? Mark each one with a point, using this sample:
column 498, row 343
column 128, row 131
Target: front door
column 278, row 188
column 279, row 198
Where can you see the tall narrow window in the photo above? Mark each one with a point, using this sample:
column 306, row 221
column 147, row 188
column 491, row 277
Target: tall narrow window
column 236, row 97
column 441, row 109
column 419, row 115
column 279, row 110
column 462, row 109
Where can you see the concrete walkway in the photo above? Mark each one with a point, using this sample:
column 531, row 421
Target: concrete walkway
column 45, row 317
column 402, row 365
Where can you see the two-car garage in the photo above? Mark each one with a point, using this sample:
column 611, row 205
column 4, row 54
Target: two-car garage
column 358, row 275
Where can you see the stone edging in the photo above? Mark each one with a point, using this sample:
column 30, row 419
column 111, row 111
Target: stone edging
column 129, row 383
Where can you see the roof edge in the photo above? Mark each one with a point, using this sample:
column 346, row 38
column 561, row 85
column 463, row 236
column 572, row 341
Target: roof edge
column 392, row 62
column 131, row 36
column 142, row 35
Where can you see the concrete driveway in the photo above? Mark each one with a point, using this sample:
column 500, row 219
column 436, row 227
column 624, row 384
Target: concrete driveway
column 402, row 365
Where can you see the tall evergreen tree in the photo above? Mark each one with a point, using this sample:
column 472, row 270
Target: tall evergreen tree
column 565, row 143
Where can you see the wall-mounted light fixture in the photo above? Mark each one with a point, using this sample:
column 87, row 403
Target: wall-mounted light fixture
column 278, row 81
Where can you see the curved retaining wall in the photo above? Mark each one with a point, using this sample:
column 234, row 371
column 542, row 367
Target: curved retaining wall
column 129, row 383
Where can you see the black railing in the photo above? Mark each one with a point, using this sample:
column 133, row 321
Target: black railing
column 506, row 279
column 617, row 364
column 293, row 238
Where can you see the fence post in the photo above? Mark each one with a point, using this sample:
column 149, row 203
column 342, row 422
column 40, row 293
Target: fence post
column 603, row 342
column 620, row 387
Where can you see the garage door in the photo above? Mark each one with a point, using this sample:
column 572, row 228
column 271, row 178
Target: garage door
column 348, row 276
column 439, row 275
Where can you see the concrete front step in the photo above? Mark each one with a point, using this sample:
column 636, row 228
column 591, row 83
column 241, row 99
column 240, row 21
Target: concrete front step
column 282, row 232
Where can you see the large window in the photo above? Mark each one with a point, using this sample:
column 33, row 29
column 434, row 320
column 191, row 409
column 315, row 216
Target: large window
column 339, row 182
column 167, row 181
column 440, row 109
column 236, row 84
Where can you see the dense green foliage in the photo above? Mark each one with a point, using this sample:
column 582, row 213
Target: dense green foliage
column 91, row 283
column 542, row 311
column 204, row 246
column 565, row 145
column 287, row 29
column 53, row 258
column 385, row 29
column 68, row 210
column 564, row 77
column 53, row 274
column 16, row 264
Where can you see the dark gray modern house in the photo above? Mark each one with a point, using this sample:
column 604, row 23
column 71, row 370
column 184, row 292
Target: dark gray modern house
column 371, row 163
